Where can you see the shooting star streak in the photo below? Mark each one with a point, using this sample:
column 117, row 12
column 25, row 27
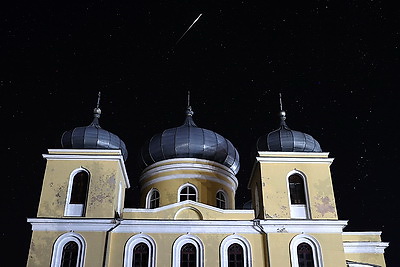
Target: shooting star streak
column 189, row 28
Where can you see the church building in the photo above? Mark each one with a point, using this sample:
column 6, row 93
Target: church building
column 187, row 215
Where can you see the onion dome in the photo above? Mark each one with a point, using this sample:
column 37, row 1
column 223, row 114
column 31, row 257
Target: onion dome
column 190, row 141
column 93, row 137
column 286, row 140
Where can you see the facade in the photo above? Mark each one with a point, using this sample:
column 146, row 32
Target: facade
column 187, row 214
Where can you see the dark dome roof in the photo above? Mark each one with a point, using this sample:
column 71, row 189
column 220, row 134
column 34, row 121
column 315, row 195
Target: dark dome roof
column 286, row 140
column 93, row 137
column 190, row 141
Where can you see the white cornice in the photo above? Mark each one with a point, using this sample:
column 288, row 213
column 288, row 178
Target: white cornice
column 365, row 247
column 294, row 160
column 192, row 226
column 239, row 227
column 293, row 154
column 188, row 164
column 89, row 154
column 65, row 225
column 363, row 233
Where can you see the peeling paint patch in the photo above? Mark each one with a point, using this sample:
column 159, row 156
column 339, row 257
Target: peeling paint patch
column 325, row 206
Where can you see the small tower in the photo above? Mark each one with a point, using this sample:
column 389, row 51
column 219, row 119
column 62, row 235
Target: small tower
column 82, row 196
column 291, row 178
column 87, row 178
column 189, row 163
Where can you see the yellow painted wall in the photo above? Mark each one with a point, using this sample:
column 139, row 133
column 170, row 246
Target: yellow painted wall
column 103, row 187
column 320, row 191
column 196, row 212
column 207, row 191
column 371, row 258
column 164, row 247
column 272, row 177
column 331, row 247
column 215, row 178
column 42, row 242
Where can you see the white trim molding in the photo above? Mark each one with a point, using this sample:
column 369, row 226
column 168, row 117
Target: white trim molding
column 75, row 210
column 365, row 247
column 228, row 226
column 184, row 186
column 299, row 211
column 360, row 264
column 180, row 242
column 194, row 175
column 226, row 178
column 298, row 157
column 149, row 196
column 65, row 225
column 89, row 154
column 232, row 239
column 59, row 246
column 132, row 242
column 186, row 202
column 314, row 244
column 226, row 199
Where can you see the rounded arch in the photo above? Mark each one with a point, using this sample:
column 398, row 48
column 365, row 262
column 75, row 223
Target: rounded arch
column 59, row 246
column 188, row 213
column 135, row 240
column 312, row 242
column 185, row 192
column 183, row 240
column 222, row 199
column 297, row 187
column 241, row 241
column 77, row 193
column 153, row 199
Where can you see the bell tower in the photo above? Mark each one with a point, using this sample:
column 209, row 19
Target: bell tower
column 87, row 183
column 291, row 177
column 87, row 178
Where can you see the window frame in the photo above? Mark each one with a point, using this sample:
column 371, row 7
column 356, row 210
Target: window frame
column 305, row 206
column 225, row 195
column 183, row 240
column 185, row 186
column 312, row 242
column 235, row 239
column 58, row 248
column 149, row 198
column 68, row 210
column 131, row 244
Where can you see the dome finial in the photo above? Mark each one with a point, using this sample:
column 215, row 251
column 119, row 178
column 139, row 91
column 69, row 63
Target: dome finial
column 189, row 111
column 282, row 113
column 97, row 110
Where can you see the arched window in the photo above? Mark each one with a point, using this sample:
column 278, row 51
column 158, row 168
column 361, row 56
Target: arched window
column 188, row 255
column 69, row 251
column 153, row 199
column 298, row 196
column 187, row 192
column 77, row 193
column 296, row 187
column 305, row 251
column 221, row 200
column 235, row 251
column 305, row 255
column 235, row 255
column 188, row 251
column 140, row 255
column 69, row 254
column 140, row 251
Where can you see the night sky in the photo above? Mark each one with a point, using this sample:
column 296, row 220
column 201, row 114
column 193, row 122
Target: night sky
column 336, row 65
